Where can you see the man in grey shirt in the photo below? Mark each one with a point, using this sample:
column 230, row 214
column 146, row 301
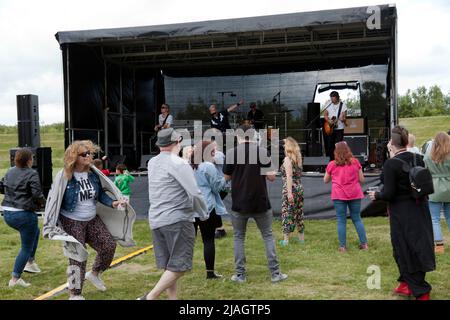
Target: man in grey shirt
column 174, row 201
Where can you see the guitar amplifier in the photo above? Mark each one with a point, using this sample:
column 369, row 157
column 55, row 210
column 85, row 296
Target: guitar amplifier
column 355, row 126
column 359, row 146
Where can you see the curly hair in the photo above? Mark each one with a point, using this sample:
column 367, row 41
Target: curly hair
column 72, row 152
column 441, row 148
column 342, row 154
column 293, row 151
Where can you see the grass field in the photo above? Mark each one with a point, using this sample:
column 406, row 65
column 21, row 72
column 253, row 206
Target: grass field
column 426, row 128
column 316, row 270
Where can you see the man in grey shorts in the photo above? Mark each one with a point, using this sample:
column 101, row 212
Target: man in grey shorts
column 174, row 199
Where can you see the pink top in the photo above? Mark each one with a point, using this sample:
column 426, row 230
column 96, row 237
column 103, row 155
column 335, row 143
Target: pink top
column 345, row 181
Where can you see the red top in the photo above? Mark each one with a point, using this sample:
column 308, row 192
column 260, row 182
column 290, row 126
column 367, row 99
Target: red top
column 345, row 181
column 105, row 172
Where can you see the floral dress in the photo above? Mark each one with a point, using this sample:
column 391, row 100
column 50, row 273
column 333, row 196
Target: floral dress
column 292, row 213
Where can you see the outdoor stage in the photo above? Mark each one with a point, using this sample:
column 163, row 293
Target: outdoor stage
column 317, row 204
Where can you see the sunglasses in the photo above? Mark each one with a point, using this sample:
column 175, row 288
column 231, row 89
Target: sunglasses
column 84, row 154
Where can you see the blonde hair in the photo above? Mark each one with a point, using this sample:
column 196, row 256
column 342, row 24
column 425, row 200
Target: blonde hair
column 186, row 153
column 292, row 151
column 71, row 154
column 441, row 147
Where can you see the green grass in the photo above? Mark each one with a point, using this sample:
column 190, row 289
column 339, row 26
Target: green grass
column 426, row 127
column 316, row 270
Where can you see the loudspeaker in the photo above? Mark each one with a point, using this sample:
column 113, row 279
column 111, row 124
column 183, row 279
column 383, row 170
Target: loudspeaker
column 313, row 114
column 359, row 146
column 42, row 163
column 314, row 149
column 145, row 158
column 317, row 164
column 28, row 120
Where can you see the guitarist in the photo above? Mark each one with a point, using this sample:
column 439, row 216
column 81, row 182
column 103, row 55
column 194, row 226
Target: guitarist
column 335, row 116
column 165, row 120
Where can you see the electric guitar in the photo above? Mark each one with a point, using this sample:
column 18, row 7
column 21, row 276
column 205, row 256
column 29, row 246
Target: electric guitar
column 329, row 127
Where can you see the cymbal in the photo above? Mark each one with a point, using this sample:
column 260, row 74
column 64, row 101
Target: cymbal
column 284, row 111
column 275, row 113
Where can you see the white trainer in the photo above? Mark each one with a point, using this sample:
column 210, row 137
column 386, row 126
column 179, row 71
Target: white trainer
column 32, row 267
column 96, row 281
column 76, row 297
column 20, row 282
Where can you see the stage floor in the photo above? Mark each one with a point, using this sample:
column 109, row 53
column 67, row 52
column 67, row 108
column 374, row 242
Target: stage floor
column 317, row 201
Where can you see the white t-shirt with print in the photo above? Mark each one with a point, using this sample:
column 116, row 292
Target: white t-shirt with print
column 85, row 209
column 333, row 110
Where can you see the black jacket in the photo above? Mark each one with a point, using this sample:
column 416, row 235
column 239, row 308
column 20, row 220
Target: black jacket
column 23, row 189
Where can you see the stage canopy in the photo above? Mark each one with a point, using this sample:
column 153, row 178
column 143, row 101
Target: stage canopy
column 116, row 79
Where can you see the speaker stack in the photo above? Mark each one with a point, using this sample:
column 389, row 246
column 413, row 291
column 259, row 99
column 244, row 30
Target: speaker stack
column 42, row 163
column 314, row 148
column 29, row 137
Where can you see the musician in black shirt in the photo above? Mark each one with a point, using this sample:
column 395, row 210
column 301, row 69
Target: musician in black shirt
column 219, row 119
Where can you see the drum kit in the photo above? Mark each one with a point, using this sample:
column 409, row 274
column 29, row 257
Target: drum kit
column 244, row 121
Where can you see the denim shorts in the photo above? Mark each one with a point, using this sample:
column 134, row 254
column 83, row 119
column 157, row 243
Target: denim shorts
column 174, row 246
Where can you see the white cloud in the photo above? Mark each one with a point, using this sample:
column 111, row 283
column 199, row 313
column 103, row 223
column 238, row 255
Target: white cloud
column 30, row 59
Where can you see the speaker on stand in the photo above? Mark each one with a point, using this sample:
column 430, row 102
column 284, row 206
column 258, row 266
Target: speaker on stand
column 29, row 137
column 28, row 120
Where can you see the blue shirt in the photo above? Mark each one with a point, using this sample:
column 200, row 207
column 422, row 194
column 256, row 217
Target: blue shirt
column 211, row 182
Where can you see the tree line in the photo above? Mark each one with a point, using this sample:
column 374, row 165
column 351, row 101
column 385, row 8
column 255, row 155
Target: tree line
column 423, row 102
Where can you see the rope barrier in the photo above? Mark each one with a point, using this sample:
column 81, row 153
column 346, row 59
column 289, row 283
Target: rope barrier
column 63, row 288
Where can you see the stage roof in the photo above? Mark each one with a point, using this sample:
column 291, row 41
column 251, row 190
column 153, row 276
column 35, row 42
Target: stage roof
column 306, row 41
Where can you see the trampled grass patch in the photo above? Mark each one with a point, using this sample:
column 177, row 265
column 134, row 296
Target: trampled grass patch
column 316, row 270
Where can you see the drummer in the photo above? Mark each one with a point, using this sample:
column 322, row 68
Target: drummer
column 255, row 116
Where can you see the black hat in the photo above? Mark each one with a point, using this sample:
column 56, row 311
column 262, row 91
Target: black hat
column 168, row 136
column 334, row 94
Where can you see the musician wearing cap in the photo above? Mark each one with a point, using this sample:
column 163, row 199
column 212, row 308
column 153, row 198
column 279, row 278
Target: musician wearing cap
column 335, row 119
column 255, row 117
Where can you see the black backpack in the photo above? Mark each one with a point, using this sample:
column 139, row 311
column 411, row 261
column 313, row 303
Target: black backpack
column 419, row 177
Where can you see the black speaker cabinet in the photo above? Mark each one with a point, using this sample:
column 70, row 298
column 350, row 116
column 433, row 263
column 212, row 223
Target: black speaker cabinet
column 28, row 120
column 42, row 163
column 315, row 164
column 359, row 146
column 313, row 115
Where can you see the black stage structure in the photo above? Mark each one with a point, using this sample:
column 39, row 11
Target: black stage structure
column 116, row 79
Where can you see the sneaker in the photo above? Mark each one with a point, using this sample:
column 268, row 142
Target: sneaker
column 238, row 278
column 96, row 281
column 144, row 297
column 32, row 267
column 342, row 249
column 284, row 243
column 77, row 297
column 364, row 246
column 213, row 275
column 277, row 277
column 20, row 282
column 220, row 233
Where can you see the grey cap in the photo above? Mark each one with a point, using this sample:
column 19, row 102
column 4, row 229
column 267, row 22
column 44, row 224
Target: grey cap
column 168, row 136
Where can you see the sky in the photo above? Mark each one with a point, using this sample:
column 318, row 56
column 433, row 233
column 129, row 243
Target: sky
column 31, row 61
